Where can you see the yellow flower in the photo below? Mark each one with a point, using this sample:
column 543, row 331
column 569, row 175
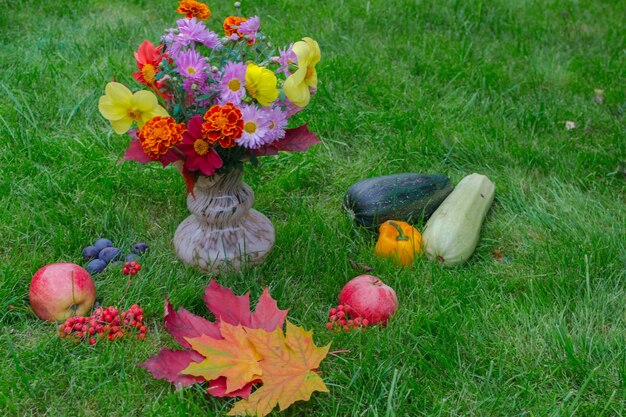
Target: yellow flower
column 121, row 107
column 297, row 86
column 261, row 84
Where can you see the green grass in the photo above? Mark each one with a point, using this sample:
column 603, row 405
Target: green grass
column 405, row 86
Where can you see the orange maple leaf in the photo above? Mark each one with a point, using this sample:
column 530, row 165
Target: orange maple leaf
column 232, row 357
column 287, row 370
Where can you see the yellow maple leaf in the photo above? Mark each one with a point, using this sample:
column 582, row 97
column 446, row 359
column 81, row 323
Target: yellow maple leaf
column 287, row 370
column 233, row 357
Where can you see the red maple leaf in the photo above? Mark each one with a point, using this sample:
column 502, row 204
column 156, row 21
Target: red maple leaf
column 182, row 324
column 235, row 309
column 298, row 139
column 168, row 364
column 135, row 152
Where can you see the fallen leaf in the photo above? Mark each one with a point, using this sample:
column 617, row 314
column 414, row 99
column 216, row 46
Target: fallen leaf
column 599, row 95
column 183, row 324
column 217, row 388
column 267, row 315
column 168, row 364
column 359, row 266
column 498, row 254
column 287, row 370
column 235, row 309
column 228, row 308
column 233, row 358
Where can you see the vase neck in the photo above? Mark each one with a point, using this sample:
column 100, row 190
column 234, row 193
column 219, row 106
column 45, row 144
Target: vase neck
column 221, row 200
column 225, row 183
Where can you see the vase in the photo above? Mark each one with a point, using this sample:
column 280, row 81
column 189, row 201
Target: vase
column 223, row 231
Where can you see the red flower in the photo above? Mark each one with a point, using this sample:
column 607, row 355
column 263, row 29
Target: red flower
column 148, row 59
column 200, row 155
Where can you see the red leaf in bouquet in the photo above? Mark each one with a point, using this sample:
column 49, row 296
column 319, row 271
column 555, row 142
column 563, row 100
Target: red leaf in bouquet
column 267, row 150
column 168, row 364
column 135, row 152
column 190, row 180
column 267, row 315
column 183, row 324
column 298, row 139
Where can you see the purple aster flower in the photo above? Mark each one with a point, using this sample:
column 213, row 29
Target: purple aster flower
column 192, row 65
column 255, row 127
column 249, row 28
column 169, row 36
column 232, row 85
column 196, row 88
column 191, row 30
column 277, row 125
column 286, row 57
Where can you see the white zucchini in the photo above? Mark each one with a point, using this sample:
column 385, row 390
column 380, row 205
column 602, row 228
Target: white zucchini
column 452, row 232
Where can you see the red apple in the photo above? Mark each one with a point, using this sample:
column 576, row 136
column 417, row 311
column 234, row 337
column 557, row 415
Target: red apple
column 369, row 298
column 58, row 291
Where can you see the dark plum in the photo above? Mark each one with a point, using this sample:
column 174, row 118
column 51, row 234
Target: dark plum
column 90, row 252
column 96, row 266
column 102, row 243
column 110, row 254
column 139, row 248
column 132, row 257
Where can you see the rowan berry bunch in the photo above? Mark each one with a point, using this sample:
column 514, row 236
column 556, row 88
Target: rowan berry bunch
column 105, row 323
column 131, row 268
column 343, row 317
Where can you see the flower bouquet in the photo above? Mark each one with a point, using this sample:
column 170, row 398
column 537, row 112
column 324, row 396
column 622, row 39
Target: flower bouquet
column 214, row 102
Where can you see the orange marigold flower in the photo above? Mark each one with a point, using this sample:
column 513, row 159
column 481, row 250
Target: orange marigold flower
column 231, row 25
column 223, row 124
column 193, row 8
column 159, row 135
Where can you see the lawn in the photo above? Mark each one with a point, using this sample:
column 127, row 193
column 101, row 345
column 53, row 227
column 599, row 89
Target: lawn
column 534, row 324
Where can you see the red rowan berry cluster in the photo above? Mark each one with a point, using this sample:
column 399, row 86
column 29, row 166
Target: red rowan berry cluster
column 131, row 268
column 104, row 323
column 343, row 317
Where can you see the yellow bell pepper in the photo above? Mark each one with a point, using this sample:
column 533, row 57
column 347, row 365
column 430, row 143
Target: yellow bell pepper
column 399, row 241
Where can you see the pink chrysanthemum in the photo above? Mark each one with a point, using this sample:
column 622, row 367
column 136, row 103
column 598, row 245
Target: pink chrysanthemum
column 255, row 127
column 233, row 83
column 277, row 124
column 192, row 65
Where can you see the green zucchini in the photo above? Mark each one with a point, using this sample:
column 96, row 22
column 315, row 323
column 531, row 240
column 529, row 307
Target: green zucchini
column 406, row 197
